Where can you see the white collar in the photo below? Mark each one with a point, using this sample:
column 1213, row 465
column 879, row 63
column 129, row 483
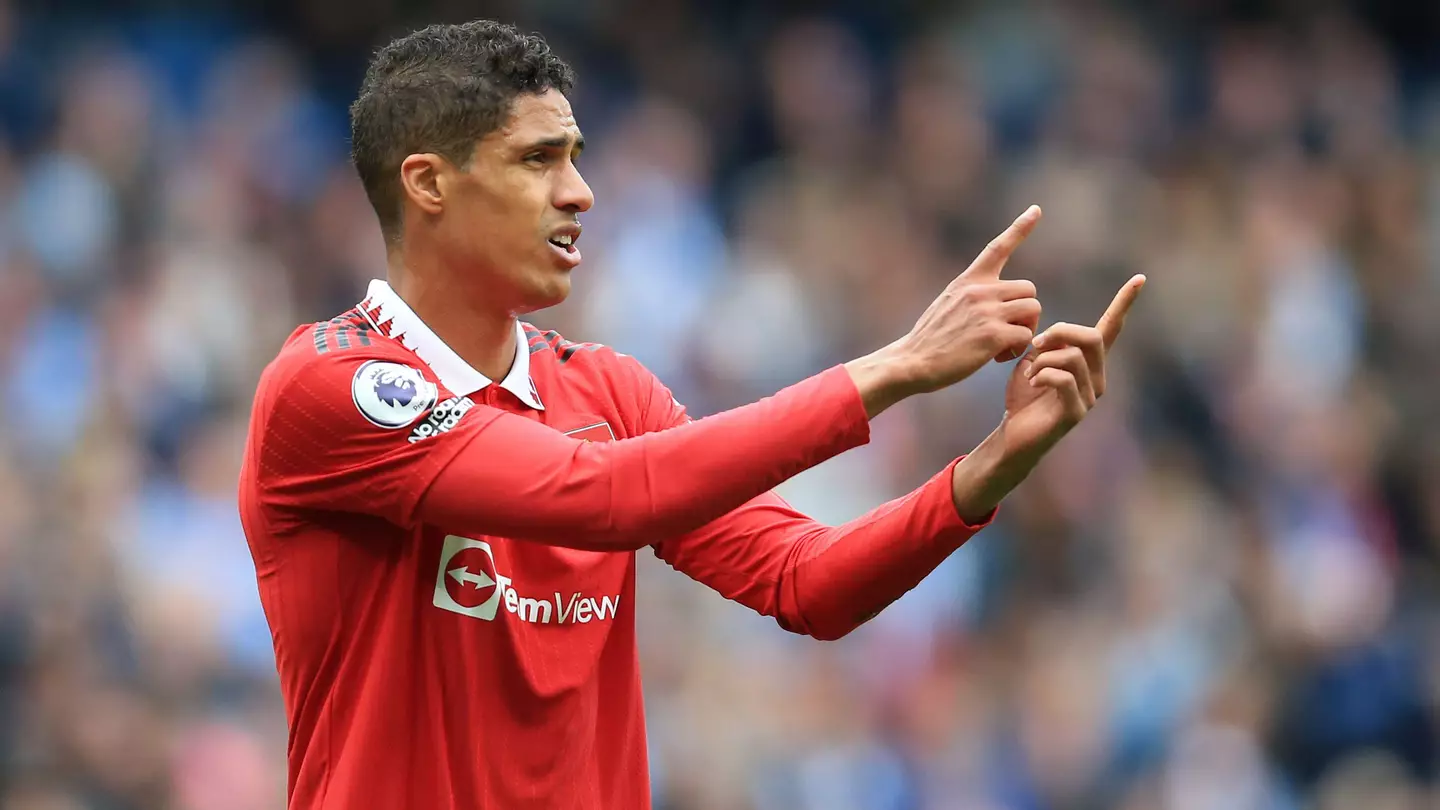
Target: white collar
column 384, row 308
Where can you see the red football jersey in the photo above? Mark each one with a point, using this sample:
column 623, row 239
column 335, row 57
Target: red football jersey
column 460, row 669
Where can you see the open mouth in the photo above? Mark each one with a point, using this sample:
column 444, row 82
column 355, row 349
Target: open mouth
column 566, row 254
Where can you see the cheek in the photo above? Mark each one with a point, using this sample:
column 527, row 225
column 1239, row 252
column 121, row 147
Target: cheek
column 482, row 224
column 510, row 217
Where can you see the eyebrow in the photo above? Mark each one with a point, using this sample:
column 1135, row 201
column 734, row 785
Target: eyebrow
column 559, row 142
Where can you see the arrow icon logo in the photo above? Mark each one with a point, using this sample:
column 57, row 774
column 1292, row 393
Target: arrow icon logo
column 473, row 571
column 462, row 575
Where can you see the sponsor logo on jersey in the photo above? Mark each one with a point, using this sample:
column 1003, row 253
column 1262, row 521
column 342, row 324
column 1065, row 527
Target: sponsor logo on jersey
column 445, row 416
column 391, row 395
column 598, row 432
column 467, row 583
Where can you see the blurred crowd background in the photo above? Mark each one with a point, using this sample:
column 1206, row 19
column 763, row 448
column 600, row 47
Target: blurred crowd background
column 1219, row 594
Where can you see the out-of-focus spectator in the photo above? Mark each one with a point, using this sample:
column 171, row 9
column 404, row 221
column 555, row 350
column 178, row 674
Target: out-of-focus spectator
column 1219, row 593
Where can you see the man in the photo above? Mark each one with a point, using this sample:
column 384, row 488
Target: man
column 447, row 562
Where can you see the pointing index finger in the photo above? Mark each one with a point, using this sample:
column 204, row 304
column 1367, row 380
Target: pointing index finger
column 1113, row 320
column 992, row 259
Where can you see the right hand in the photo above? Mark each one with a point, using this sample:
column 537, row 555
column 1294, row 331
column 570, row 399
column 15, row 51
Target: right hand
column 978, row 317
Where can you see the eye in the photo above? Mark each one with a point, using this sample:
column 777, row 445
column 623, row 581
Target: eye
column 535, row 157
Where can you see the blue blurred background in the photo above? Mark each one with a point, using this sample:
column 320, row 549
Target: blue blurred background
column 1220, row 593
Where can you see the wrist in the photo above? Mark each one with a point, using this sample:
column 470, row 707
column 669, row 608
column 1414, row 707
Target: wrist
column 987, row 475
column 883, row 379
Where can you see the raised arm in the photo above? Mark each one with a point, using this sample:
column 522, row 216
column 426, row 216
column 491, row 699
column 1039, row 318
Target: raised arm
column 825, row 581
column 819, row 580
column 624, row 494
column 498, row 473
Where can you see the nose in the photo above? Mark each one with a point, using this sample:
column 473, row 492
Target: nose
column 572, row 193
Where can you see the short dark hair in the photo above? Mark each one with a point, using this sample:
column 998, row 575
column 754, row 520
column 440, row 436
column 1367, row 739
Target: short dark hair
column 441, row 89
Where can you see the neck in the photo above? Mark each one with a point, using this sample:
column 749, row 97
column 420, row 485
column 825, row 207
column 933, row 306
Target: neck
column 483, row 338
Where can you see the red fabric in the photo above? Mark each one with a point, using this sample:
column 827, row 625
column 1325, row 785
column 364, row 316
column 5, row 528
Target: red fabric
column 427, row 657
column 823, row 581
column 526, row 481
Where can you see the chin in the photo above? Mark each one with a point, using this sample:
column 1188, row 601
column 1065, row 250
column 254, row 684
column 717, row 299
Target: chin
column 552, row 292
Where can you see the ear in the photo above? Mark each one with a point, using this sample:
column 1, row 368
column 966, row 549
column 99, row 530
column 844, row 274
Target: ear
column 420, row 178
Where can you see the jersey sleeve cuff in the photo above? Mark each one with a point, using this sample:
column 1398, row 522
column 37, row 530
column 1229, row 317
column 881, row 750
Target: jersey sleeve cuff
column 857, row 420
column 939, row 497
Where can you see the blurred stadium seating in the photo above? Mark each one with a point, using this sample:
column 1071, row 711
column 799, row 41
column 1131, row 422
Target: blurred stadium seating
column 1219, row 594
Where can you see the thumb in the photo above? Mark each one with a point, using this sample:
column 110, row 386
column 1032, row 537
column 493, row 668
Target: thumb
column 1021, row 371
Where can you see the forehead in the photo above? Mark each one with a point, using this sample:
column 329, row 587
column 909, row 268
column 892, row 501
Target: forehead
column 539, row 116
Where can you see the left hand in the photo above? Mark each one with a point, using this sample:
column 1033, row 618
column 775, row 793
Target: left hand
column 1058, row 381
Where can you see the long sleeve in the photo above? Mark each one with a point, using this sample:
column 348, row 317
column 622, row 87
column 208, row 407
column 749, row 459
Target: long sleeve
column 502, row 474
column 815, row 579
column 819, row 580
